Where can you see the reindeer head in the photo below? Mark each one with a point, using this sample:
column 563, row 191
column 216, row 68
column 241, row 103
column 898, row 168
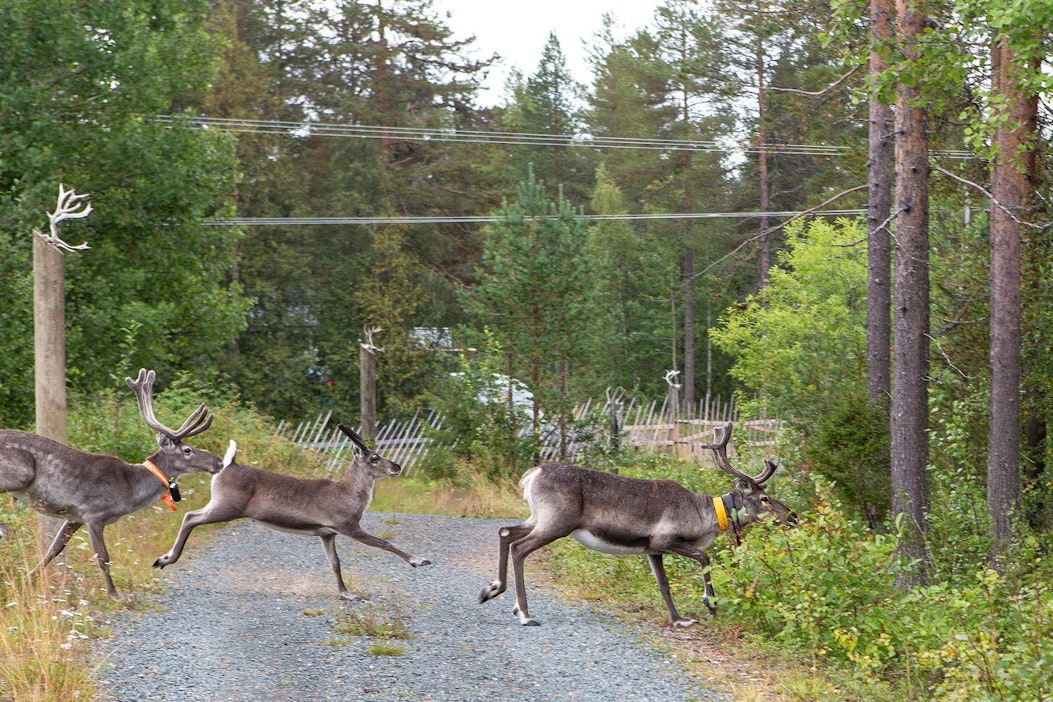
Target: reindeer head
column 373, row 463
column 174, row 457
column 750, row 503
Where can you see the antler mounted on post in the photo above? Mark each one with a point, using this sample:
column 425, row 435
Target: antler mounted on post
column 198, row 421
column 68, row 207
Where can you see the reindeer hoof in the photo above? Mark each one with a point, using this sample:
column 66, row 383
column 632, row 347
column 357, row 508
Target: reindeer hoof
column 684, row 623
column 490, row 592
column 531, row 622
column 419, row 562
column 161, row 562
column 348, row 596
column 712, row 606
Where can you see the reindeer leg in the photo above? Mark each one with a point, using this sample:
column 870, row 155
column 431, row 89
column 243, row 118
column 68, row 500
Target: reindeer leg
column 58, row 544
column 658, row 568
column 506, row 535
column 360, row 534
column 209, row 514
column 102, row 556
column 519, row 550
column 329, row 544
column 685, row 549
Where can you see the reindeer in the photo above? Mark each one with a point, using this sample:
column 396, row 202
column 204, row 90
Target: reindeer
column 318, row 507
column 625, row 516
column 95, row 490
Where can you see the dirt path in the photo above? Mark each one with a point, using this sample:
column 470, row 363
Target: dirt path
column 251, row 614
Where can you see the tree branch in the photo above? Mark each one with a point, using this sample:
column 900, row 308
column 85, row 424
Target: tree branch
column 819, row 93
column 989, row 196
column 777, row 227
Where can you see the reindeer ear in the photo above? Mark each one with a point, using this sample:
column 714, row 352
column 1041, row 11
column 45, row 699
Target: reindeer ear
column 358, row 440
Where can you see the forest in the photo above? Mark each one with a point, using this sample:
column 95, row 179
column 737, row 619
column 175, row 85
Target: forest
column 838, row 213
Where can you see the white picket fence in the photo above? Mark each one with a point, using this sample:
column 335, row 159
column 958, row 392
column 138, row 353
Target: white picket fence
column 399, row 441
column 647, row 425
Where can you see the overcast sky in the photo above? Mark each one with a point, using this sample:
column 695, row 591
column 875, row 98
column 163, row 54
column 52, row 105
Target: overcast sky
column 518, row 31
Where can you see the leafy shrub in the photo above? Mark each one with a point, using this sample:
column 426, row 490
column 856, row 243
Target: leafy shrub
column 480, row 423
column 851, row 448
column 821, row 588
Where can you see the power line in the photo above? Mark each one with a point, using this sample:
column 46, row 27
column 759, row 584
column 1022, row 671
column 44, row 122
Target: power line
column 367, row 221
column 467, row 136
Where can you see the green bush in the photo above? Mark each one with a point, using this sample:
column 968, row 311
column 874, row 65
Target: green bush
column 851, row 447
column 480, row 423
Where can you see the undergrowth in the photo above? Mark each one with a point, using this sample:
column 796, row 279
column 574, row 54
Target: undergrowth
column 824, row 595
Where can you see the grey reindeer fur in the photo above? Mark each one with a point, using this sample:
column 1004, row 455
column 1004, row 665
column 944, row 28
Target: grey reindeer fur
column 313, row 507
column 624, row 516
column 96, row 490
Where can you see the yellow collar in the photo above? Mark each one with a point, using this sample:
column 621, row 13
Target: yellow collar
column 167, row 497
column 722, row 514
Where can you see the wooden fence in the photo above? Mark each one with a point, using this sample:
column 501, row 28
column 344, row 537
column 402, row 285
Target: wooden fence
column 639, row 424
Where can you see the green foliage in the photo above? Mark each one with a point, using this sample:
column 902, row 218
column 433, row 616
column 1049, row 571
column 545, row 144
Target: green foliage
column 536, row 288
column 800, row 348
column 1009, row 656
column 800, row 344
column 91, row 94
column 851, row 447
column 481, row 421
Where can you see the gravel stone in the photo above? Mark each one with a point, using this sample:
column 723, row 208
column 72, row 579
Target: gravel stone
column 252, row 614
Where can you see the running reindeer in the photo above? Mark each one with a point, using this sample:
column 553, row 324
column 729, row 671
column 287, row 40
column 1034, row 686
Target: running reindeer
column 318, row 507
column 624, row 516
column 95, row 490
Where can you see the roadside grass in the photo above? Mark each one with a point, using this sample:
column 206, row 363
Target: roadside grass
column 374, row 622
column 44, row 624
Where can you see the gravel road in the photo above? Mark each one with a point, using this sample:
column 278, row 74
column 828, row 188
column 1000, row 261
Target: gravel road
column 251, row 614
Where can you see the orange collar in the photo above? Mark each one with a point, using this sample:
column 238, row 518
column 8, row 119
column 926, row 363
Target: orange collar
column 167, row 497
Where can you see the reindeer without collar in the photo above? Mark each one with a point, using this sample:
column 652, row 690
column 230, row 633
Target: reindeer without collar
column 317, row 507
column 96, row 490
column 625, row 516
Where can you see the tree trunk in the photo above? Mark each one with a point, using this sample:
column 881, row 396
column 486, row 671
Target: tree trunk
column 762, row 165
column 910, row 367
column 879, row 208
column 1011, row 194
column 689, row 332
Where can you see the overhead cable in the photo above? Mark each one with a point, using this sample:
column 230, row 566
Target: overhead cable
column 467, row 136
column 300, row 221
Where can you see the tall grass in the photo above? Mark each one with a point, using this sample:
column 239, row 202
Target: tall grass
column 44, row 624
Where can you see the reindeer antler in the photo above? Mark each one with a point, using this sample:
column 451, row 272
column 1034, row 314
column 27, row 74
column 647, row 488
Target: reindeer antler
column 198, row 421
column 355, row 438
column 722, row 435
column 68, row 207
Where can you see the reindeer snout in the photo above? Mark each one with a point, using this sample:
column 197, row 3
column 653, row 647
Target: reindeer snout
column 791, row 519
column 394, row 470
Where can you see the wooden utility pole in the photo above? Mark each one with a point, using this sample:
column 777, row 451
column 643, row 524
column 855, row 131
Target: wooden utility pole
column 49, row 339
column 368, row 384
column 49, row 329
